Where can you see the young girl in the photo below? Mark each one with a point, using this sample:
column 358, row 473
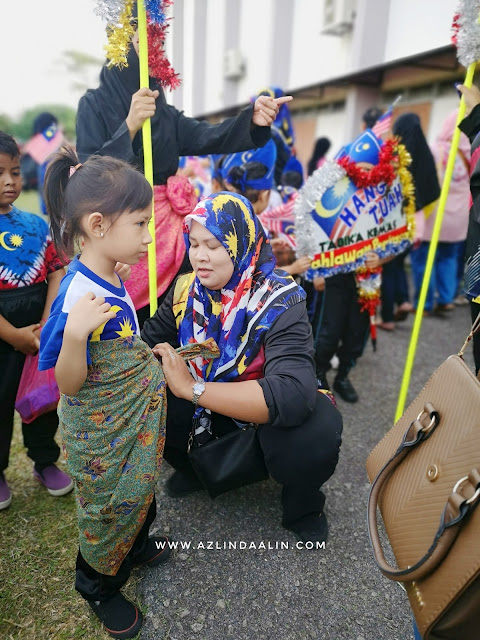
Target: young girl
column 112, row 388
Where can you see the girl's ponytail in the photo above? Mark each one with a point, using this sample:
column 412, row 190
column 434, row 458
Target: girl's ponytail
column 57, row 176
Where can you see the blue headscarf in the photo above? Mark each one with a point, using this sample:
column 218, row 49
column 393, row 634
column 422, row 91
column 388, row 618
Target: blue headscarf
column 238, row 316
column 266, row 156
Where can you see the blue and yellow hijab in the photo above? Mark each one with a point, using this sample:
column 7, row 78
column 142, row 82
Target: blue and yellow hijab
column 238, row 316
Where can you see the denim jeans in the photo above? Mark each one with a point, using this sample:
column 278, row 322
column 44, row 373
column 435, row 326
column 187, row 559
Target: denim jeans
column 444, row 278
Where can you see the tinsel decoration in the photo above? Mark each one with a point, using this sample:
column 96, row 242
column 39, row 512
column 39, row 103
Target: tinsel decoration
column 118, row 15
column 156, row 10
column 369, row 282
column 383, row 171
column 312, row 191
column 109, row 10
column 466, row 28
column 159, row 65
column 120, row 36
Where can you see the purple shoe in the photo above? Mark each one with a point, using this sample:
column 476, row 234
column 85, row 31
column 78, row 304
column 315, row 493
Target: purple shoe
column 57, row 482
column 5, row 495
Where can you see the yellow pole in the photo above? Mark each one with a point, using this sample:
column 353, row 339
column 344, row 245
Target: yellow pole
column 432, row 249
column 147, row 152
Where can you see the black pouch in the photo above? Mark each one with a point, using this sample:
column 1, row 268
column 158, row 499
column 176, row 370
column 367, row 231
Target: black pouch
column 232, row 461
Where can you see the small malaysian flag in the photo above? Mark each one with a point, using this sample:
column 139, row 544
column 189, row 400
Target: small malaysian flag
column 44, row 144
column 384, row 123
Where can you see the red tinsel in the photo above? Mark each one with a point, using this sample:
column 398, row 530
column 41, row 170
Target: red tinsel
column 384, row 171
column 455, row 28
column 159, row 65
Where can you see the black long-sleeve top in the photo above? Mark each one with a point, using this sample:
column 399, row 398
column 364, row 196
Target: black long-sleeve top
column 289, row 384
column 173, row 135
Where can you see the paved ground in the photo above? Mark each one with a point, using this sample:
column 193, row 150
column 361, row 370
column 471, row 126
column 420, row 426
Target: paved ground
column 334, row 594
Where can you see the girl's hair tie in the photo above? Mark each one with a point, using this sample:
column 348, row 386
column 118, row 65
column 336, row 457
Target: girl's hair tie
column 73, row 169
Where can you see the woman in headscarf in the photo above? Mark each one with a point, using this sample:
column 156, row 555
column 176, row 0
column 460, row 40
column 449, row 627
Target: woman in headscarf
column 322, row 145
column 447, row 271
column 109, row 122
column 265, row 373
column 427, row 190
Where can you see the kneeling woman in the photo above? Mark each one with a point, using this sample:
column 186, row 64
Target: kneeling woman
column 265, row 373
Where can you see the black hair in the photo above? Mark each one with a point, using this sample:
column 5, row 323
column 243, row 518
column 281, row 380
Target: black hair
column 371, row 116
column 247, row 171
column 102, row 184
column 322, row 145
column 8, row 146
column 217, row 172
column 292, row 179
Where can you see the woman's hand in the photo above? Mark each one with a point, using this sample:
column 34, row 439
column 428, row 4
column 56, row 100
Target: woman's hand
column 123, row 270
column 265, row 109
column 471, row 96
column 141, row 108
column 176, row 372
column 26, row 340
column 372, row 260
column 86, row 315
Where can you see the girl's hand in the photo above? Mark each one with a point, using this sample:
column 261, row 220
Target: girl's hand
column 300, row 265
column 25, row 340
column 265, row 109
column 372, row 260
column 141, row 108
column 319, row 283
column 123, row 270
column 86, row 315
column 471, row 96
column 175, row 370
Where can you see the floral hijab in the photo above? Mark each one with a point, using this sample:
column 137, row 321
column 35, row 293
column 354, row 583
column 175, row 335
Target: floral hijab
column 238, row 316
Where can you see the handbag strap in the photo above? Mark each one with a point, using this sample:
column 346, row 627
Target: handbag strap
column 460, row 503
column 474, row 329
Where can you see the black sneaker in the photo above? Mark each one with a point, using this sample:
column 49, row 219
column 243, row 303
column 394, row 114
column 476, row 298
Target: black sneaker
column 345, row 389
column 157, row 552
column 322, row 381
column 312, row 528
column 182, row 483
column 120, row 617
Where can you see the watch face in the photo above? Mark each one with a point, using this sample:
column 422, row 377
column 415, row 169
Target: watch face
column 198, row 387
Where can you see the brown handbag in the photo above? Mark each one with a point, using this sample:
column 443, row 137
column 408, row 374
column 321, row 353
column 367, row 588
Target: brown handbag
column 425, row 476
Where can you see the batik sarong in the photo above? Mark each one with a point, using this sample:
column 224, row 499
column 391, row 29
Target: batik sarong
column 113, row 435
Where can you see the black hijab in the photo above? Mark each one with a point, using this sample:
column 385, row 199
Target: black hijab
column 322, row 145
column 114, row 95
column 423, row 169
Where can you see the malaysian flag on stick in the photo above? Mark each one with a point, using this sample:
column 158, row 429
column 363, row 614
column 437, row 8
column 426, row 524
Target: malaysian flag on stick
column 44, row 144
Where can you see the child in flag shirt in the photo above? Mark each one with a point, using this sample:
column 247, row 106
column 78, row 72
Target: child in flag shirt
column 30, row 274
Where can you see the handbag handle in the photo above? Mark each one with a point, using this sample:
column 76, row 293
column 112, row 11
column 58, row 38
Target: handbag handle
column 473, row 330
column 463, row 499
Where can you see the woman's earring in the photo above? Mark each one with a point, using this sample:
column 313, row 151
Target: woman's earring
column 101, row 234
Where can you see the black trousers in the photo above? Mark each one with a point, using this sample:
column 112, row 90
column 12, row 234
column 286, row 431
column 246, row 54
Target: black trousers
column 300, row 458
column 344, row 328
column 38, row 436
column 95, row 586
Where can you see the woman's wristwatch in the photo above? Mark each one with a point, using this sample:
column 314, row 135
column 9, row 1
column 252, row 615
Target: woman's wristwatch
column 197, row 390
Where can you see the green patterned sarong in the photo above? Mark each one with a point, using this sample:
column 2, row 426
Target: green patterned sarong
column 113, row 435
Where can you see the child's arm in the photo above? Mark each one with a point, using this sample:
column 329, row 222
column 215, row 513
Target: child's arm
column 23, row 339
column 86, row 315
column 53, row 280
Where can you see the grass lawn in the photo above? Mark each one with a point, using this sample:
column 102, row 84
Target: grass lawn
column 28, row 201
column 38, row 543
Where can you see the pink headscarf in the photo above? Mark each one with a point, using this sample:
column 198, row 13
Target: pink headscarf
column 455, row 219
